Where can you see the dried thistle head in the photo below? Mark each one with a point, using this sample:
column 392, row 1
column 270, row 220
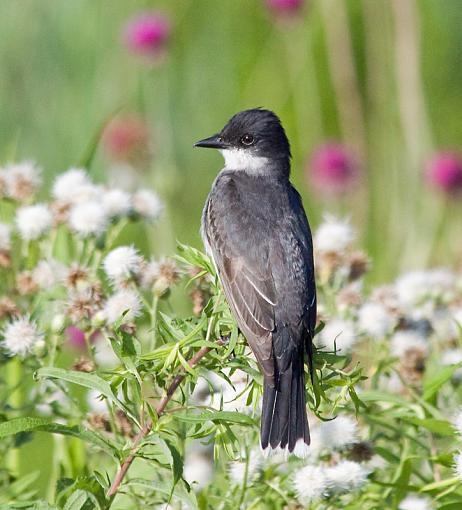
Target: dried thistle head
column 8, row 307
column 326, row 264
column 361, row 452
column 349, row 297
column 168, row 275
column 128, row 327
column 84, row 365
column 25, row 283
column 81, row 305
column 5, row 258
column 124, row 424
column 99, row 422
column 60, row 211
column 359, row 264
column 412, row 364
column 198, row 300
column 76, row 275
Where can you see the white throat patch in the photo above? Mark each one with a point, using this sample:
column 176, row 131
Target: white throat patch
column 237, row 159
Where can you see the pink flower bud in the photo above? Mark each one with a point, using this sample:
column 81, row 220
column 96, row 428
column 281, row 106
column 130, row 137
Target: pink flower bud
column 332, row 169
column 125, row 137
column 285, row 6
column 444, row 172
column 147, row 34
column 76, row 337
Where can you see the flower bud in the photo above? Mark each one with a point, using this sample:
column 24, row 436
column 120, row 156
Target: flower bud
column 99, row 319
column 58, row 323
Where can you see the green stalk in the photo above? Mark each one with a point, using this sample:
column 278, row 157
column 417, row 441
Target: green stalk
column 153, row 336
column 14, row 377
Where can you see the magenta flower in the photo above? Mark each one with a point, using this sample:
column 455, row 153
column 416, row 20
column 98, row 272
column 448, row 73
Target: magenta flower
column 125, row 138
column 444, row 172
column 332, row 169
column 285, row 6
column 147, row 34
column 76, row 337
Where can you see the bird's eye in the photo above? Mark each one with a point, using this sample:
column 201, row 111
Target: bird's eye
column 247, row 139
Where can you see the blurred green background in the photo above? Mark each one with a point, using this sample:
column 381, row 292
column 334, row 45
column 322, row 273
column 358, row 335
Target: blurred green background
column 382, row 76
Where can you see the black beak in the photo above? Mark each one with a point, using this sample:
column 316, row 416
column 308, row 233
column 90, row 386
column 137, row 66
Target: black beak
column 213, row 142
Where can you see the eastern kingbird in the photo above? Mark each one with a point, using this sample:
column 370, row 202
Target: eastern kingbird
column 255, row 229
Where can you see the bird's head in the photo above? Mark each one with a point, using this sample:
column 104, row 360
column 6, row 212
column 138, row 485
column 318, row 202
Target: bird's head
column 251, row 140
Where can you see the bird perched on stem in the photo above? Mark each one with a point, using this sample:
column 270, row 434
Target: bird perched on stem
column 255, row 229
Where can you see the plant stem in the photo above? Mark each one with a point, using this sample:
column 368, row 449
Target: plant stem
column 153, row 336
column 246, row 475
column 160, row 410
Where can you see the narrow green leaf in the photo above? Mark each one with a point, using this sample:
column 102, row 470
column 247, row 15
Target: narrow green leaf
column 77, row 500
column 440, row 427
column 31, row 424
column 8, row 428
column 432, row 385
column 442, row 484
column 91, row 381
column 216, row 416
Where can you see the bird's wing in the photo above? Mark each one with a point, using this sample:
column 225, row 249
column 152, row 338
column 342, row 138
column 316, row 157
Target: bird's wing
column 247, row 282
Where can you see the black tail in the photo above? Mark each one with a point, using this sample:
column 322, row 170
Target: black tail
column 284, row 421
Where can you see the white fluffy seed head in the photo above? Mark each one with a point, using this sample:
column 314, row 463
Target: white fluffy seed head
column 346, row 475
column 333, row 236
column 147, row 204
column 20, row 336
column 416, row 503
column 33, row 221
column 417, row 287
column 236, row 469
column 375, row 320
column 340, row 332
column 198, row 470
column 71, row 186
column 122, row 263
column 149, row 274
column 310, row 484
column 116, row 202
column 120, row 302
column 48, row 273
column 88, row 218
column 338, row 433
column 5, row 237
column 22, row 180
column 406, row 340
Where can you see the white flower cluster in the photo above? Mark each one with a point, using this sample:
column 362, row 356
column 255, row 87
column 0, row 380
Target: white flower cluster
column 92, row 207
column 20, row 181
column 420, row 309
column 20, row 336
column 87, row 208
column 314, row 482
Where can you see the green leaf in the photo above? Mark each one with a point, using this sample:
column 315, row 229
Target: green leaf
column 77, row 500
column 31, row 424
column 87, row 486
column 432, row 385
column 187, row 497
column 401, row 480
column 128, row 347
column 91, row 381
column 217, row 416
column 442, row 484
column 457, row 505
column 174, row 459
column 440, row 427
column 8, row 428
